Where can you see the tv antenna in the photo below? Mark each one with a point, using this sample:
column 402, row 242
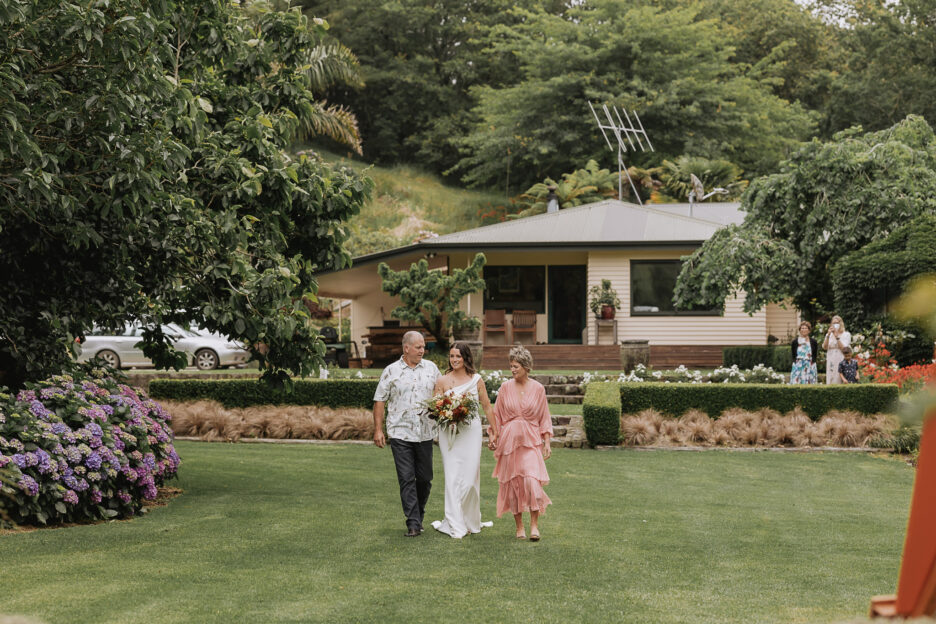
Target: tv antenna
column 698, row 194
column 625, row 133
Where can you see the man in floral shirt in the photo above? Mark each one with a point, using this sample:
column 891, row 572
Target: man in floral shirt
column 403, row 387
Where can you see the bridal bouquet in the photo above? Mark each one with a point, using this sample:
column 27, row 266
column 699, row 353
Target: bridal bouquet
column 452, row 410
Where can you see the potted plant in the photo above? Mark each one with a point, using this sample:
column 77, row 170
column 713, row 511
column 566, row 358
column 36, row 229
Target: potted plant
column 603, row 300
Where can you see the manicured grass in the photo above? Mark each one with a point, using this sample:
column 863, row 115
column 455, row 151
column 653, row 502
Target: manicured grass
column 270, row 533
column 565, row 409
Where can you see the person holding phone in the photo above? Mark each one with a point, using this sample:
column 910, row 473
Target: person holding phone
column 836, row 339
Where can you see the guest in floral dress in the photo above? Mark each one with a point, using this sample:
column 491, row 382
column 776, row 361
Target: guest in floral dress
column 804, row 351
column 519, row 434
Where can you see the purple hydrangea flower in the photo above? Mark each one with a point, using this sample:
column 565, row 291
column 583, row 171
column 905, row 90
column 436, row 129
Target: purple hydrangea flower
column 20, row 460
column 4, row 460
column 124, row 496
column 96, row 496
column 29, row 485
column 60, row 428
column 70, row 497
column 26, row 396
column 39, row 410
column 73, row 454
column 93, row 461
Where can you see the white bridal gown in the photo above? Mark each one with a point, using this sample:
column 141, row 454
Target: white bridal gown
column 461, row 462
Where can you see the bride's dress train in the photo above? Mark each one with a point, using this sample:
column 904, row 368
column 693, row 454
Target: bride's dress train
column 461, row 462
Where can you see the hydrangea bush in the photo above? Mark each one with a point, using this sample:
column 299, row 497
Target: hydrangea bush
column 760, row 374
column 82, row 447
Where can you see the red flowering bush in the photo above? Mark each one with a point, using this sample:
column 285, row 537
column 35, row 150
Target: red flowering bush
column 879, row 366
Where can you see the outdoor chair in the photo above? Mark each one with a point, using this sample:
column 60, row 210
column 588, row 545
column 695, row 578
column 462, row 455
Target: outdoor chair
column 495, row 321
column 524, row 322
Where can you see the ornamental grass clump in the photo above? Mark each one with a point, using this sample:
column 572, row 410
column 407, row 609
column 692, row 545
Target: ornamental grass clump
column 82, row 447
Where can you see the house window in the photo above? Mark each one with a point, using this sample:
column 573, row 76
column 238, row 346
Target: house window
column 652, row 285
column 515, row 288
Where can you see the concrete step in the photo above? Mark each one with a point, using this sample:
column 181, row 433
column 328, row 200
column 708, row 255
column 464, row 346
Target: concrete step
column 560, row 420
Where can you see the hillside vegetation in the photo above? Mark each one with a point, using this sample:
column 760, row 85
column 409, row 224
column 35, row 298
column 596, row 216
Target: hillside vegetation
column 407, row 203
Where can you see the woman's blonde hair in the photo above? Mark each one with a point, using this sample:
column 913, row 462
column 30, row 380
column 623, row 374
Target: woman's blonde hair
column 841, row 322
column 521, row 356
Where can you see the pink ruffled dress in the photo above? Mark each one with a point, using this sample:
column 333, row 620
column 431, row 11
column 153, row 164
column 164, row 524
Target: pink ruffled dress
column 521, row 423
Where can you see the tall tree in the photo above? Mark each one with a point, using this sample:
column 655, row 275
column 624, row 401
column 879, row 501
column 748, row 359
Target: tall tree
column 667, row 63
column 143, row 176
column 828, row 199
column 889, row 52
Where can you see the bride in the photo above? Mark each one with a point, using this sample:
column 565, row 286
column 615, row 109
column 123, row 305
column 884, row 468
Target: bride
column 461, row 452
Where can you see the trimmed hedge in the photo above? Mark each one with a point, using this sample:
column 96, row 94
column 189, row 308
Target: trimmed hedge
column 248, row 392
column 748, row 356
column 601, row 412
column 676, row 399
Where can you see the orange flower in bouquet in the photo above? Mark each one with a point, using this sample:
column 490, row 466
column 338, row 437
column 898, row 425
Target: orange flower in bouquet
column 452, row 410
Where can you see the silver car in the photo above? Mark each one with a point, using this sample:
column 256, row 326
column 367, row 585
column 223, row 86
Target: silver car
column 206, row 350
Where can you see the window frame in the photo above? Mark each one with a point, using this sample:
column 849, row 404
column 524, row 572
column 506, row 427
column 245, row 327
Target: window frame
column 715, row 312
column 540, row 309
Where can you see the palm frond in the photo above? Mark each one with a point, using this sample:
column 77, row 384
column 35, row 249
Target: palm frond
column 335, row 122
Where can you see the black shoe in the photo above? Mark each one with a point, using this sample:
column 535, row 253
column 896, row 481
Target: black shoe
column 413, row 531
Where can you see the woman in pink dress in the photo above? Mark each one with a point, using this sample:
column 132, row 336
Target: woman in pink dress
column 519, row 435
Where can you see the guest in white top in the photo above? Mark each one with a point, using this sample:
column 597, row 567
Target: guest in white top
column 836, row 339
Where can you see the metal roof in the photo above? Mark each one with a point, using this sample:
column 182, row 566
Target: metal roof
column 603, row 224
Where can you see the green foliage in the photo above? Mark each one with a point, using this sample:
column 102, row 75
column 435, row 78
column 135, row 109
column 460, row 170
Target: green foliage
column 829, row 199
column 602, row 295
column 582, row 186
column 418, row 61
column 778, row 358
column 432, row 297
column 713, row 173
column 676, row 70
column 246, row 393
column 439, row 358
column 867, row 279
column 885, row 68
column 143, row 175
column 601, row 413
column 713, row 399
column 904, row 440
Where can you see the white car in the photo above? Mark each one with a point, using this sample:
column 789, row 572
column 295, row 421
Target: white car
column 206, row 350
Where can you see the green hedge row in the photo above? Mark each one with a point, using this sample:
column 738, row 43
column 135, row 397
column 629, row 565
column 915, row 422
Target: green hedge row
column 601, row 412
column 248, row 392
column 777, row 358
column 676, row 399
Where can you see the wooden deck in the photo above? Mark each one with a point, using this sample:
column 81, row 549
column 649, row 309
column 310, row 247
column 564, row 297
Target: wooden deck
column 573, row 357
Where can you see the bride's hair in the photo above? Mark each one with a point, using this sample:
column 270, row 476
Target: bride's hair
column 467, row 360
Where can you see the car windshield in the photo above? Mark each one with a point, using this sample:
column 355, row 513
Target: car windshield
column 178, row 330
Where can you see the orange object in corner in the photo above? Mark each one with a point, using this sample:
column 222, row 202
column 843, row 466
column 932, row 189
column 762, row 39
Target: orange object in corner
column 916, row 590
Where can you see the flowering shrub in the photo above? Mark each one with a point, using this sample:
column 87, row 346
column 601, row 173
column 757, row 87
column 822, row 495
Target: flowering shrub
column 878, row 366
column 82, row 447
column 758, row 374
column 492, row 381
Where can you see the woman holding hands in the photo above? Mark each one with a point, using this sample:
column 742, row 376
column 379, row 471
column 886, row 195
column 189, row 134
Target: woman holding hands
column 519, row 434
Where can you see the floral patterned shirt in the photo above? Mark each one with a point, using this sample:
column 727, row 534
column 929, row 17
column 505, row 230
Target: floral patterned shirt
column 849, row 370
column 404, row 388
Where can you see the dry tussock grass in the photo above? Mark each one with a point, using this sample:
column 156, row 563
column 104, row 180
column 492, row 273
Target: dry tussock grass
column 765, row 427
column 210, row 421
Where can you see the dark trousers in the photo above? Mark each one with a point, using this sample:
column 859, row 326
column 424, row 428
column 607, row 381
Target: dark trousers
column 413, row 462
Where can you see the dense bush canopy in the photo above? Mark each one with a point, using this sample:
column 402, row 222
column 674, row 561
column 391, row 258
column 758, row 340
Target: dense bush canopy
column 144, row 175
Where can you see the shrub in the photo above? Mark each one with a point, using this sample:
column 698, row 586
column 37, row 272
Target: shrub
column 82, row 447
column 748, row 356
column 601, row 411
column 249, row 392
column 713, row 399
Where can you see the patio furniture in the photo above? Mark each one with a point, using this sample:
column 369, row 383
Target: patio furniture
column 495, row 321
column 524, row 322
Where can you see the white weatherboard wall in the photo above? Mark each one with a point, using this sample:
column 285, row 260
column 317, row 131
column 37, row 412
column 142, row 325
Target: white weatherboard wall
column 782, row 322
column 735, row 327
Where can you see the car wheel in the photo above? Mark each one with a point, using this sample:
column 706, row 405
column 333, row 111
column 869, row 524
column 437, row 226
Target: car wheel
column 206, row 359
column 109, row 358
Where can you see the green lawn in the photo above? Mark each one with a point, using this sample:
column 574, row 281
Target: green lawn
column 307, row 533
